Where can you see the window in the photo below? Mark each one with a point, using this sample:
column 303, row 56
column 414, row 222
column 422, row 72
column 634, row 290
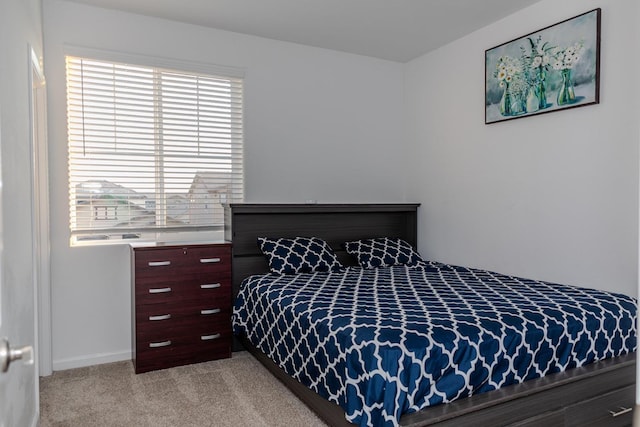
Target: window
column 151, row 150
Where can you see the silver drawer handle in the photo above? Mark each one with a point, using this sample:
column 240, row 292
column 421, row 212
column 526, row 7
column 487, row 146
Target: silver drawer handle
column 211, row 311
column 209, row 260
column 622, row 411
column 160, row 317
column 159, row 290
column 159, row 344
column 209, row 337
column 158, row 263
column 210, row 286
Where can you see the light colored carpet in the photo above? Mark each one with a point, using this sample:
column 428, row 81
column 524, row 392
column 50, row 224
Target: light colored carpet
column 230, row 392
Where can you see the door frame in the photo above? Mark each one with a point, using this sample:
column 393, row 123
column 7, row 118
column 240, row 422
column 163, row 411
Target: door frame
column 40, row 216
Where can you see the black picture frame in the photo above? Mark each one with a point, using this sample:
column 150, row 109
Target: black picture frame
column 552, row 69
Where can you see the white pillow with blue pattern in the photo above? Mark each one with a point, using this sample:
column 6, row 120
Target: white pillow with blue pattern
column 383, row 252
column 299, row 255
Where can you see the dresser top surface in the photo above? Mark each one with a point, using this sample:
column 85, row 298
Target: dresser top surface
column 169, row 245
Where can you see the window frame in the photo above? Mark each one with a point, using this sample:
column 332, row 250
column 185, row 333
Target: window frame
column 162, row 233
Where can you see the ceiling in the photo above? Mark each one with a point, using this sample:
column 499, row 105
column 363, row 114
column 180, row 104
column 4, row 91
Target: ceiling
column 396, row 30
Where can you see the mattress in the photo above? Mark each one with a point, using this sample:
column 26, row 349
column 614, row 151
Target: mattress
column 386, row 341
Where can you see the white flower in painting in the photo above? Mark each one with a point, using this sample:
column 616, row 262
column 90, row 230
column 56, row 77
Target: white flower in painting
column 536, row 59
column 536, row 62
column 567, row 58
column 507, row 69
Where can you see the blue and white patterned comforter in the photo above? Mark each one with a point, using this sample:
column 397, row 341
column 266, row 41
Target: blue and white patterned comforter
column 386, row 341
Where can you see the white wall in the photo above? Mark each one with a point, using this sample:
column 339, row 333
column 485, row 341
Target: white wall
column 320, row 125
column 20, row 27
column 552, row 197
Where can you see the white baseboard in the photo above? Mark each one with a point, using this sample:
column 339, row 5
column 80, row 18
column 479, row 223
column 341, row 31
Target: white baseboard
column 90, row 360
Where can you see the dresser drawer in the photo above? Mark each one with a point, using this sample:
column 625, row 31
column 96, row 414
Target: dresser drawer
column 181, row 350
column 213, row 288
column 609, row 410
column 159, row 324
column 171, row 262
column 215, row 330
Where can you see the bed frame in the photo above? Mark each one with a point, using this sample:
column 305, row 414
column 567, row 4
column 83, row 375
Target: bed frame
column 601, row 393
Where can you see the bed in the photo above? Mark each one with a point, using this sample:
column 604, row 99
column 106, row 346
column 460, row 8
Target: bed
column 599, row 393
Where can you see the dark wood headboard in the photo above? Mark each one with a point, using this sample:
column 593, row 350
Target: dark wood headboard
column 335, row 223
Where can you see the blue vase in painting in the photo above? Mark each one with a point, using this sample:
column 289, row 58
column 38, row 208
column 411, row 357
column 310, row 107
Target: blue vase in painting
column 566, row 94
column 541, row 90
column 532, row 102
column 506, row 102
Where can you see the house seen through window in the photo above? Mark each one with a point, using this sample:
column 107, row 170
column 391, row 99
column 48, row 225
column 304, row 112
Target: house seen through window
column 151, row 150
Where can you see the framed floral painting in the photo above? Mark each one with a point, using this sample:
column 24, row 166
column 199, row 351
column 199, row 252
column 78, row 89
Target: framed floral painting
column 555, row 68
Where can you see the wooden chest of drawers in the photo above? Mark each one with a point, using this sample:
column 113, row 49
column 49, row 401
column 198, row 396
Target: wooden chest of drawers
column 181, row 305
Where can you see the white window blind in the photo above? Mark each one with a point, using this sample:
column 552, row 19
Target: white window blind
column 150, row 149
